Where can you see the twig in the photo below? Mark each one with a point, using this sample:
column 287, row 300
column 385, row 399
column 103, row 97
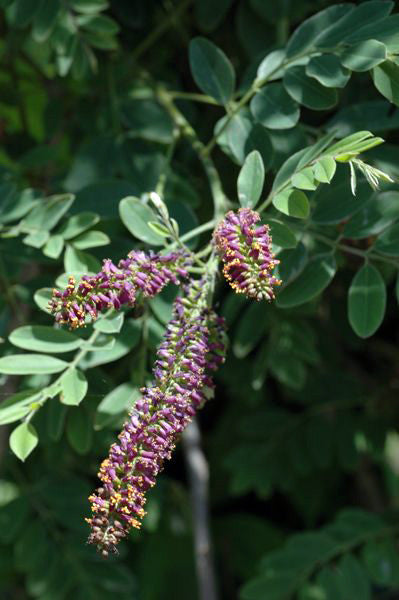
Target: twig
column 198, row 474
column 170, row 20
column 219, row 199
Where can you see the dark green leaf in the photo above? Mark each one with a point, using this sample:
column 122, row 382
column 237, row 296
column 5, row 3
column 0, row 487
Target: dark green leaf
column 211, row 69
column 307, row 91
column 364, row 55
column 375, row 216
column 307, row 35
column 273, row 108
column 79, row 430
column 366, row 301
column 281, row 234
column 386, row 80
column 316, row 276
column 388, row 241
column 328, row 71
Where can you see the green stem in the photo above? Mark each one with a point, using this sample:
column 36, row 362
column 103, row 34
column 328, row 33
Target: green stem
column 168, row 159
column 256, row 86
column 365, row 254
column 176, row 95
column 282, row 30
column 54, row 388
column 219, row 198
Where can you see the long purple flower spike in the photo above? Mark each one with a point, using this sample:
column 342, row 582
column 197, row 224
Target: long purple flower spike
column 246, row 252
column 117, row 285
column 193, row 347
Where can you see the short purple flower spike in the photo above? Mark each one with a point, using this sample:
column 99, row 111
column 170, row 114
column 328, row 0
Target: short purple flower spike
column 114, row 286
column 193, row 347
column 246, row 252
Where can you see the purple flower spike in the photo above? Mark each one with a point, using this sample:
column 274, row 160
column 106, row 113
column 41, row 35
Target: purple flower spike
column 193, row 347
column 246, row 252
column 117, row 285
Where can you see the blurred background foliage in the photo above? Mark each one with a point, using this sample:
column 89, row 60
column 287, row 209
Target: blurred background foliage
column 303, row 432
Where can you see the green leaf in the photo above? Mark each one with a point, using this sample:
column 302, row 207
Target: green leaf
column 148, row 120
column 281, row 234
column 334, row 204
column 307, row 35
column 159, row 228
column 99, row 24
column 117, row 402
column 274, row 108
column 76, row 261
column 73, row 387
column 376, row 114
column 251, row 328
column 41, row 338
column 22, row 12
column 16, row 205
column 135, row 216
column 382, row 562
column 364, row 55
column 79, row 430
column 315, row 277
column 293, row 203
column 292, row 263
column 347, row 144
column 316, row 150
column 17, row 406
column 211, row 69
column 53, row 246
column 89, row 7
column 47, row 214
column 353, row 579
column 30, row 364
column 23, row 440
column 328, row 71
column 37, row 239
column 304, row 179
column 324, row 169
column 78, row 224
column 250, row 180
column 366, row 301
column 110, row 324
column 379, row 212
column 269, row 68
column 45, row 19
column 42, row 297
column 386, row 80
column 361, row 15
column 388, row 241
column 307, row 91
column 90, row 239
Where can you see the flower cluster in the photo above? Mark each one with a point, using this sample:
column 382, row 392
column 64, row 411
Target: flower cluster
column 192, row 348
column 247, row 255
column 117, row 285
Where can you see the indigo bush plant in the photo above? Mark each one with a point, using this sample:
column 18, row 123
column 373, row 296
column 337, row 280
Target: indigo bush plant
column 199, row 212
